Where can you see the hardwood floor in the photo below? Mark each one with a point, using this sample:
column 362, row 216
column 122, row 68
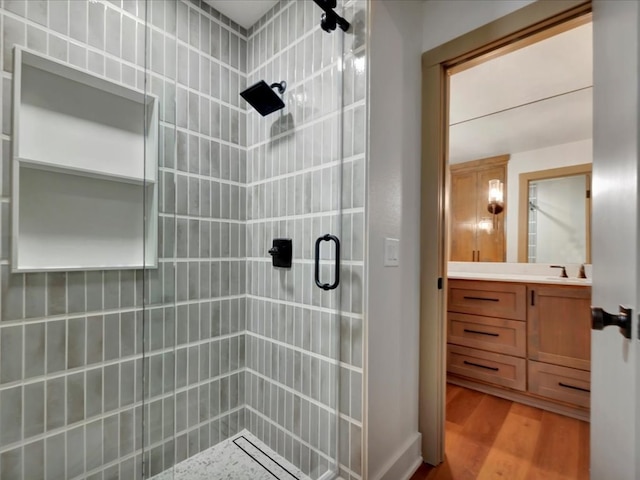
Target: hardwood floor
column 488, row 437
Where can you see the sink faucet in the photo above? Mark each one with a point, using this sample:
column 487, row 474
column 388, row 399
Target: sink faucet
column 581, row 272
column 563, row 274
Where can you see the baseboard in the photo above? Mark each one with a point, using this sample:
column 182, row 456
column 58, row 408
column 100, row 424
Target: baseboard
column 405, row 463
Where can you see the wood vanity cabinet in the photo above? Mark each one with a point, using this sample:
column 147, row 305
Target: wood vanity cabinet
column 486, row 332
column 559, row 325
column 474, row 237
column 528, row 342
column 559, row 342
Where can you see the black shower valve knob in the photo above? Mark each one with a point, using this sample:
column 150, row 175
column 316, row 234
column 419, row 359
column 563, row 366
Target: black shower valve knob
column 281, row 252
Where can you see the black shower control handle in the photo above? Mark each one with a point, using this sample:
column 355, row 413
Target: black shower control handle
column 281, row 252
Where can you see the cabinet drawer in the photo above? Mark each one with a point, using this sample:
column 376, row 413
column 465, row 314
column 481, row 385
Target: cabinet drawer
column 490, row 367
column 493, row 334
column 560, row 383
column 491, row 299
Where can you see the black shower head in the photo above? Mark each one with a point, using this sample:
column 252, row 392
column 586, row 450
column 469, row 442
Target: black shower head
column 262, row 97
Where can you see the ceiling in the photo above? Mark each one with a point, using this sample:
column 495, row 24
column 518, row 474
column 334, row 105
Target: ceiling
column 243, row 12
column 532, row 98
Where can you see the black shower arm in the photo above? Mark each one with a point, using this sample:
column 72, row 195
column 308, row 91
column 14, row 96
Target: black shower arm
column 327, row 6
column 282, row 86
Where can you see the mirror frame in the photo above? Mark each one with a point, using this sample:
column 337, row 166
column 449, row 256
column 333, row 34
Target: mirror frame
column 523, row 203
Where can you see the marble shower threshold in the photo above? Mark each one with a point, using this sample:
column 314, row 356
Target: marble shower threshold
column 241, row 457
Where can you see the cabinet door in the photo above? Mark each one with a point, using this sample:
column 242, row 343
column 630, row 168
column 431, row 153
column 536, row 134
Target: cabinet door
column 489, row 234
column 463, row 217
column 559, row 325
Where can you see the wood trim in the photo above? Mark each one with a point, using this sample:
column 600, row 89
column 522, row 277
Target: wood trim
column 433, row 239
column 525, row 42
column 523, row 203
column 505, row 30
column 516, row 26
column 481, row 163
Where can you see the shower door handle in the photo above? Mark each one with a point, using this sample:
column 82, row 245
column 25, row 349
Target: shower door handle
column 336, row 281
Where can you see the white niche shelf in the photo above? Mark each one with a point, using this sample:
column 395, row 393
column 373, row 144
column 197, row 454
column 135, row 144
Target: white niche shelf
column 84, row 189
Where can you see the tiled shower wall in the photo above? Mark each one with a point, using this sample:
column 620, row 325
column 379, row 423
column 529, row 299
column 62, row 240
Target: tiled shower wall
column 304, row 345
column 71, row 344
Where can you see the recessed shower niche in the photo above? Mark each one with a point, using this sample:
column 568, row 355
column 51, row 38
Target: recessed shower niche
column 84, row 170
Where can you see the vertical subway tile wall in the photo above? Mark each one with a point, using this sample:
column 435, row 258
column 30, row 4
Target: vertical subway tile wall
column 218, row 340
column 195, row 352
column 76, row 346
column 305, row 178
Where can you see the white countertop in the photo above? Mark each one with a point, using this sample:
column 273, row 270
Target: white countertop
column 520, row 278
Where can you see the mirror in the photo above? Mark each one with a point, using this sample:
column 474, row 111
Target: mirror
column 555, row 215
column 534, row 106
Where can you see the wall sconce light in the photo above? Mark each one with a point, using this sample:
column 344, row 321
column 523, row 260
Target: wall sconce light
column 496, row 198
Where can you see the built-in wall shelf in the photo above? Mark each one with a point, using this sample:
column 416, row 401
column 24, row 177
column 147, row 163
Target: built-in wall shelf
column 85, row 161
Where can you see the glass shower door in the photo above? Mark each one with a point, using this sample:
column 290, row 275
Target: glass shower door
column 245, row 374
column 294, row 191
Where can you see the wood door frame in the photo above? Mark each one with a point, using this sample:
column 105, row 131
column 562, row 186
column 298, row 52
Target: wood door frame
column 523, row 210
column 531, row 23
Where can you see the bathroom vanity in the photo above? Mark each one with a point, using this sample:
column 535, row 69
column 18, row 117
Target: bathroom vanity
column 522, row 337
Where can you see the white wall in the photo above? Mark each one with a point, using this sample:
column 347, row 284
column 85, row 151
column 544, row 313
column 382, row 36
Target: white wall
column 444, row 20
column 393, row 211
column 574, row 153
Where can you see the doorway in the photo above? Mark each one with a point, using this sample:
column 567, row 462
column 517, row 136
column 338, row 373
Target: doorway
column 451, row 57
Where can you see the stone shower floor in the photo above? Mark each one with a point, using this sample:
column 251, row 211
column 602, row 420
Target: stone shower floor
column 228, row 461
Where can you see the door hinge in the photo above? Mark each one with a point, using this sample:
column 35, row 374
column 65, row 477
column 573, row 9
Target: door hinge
column 440, row 283
column 588, row 193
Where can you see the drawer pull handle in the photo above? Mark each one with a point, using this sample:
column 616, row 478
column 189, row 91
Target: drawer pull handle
column 482, row 298
column 482, row 333
column 495, row 369
column 573, row 387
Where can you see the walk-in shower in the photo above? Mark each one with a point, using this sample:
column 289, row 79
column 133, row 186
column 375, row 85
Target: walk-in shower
column 164, row 343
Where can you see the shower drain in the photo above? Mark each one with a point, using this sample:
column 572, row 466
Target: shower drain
column 263, row 459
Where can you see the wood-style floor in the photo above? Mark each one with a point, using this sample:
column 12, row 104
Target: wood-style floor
column 488, row 437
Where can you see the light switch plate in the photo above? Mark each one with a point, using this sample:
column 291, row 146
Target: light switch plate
column 391, row 252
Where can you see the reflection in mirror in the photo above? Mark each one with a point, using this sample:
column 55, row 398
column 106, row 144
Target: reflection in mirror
column 534, row 104
column 555, row 211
